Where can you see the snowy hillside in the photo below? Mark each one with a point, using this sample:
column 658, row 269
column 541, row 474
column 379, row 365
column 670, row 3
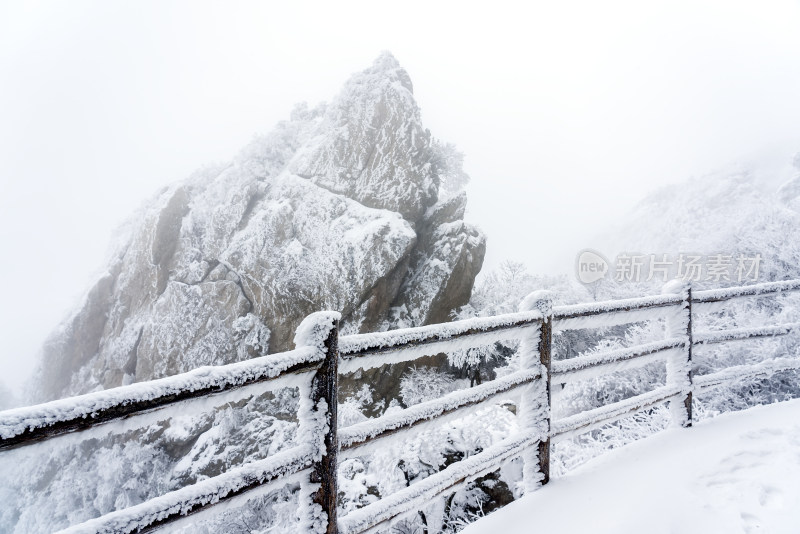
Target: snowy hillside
column 350, row 206
column 744, row 210
column 735, row 215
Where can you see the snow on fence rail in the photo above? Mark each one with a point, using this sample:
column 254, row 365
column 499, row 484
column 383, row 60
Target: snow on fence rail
column 754, row 290
column 321, row 356
column 25, row 425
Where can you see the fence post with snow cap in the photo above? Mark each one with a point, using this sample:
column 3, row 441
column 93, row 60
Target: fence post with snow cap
column 534, row 409
column 318, row 423
column 679, row 367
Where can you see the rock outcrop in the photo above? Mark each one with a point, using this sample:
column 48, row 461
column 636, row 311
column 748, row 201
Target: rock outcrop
column 350, row 206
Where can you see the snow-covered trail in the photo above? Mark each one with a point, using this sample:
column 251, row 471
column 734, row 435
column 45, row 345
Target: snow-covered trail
column 736, row 473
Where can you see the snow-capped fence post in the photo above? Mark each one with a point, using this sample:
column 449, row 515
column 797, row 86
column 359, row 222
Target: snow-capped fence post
column 318, row 423
column 545, row 358
column 679, row 368
column 534, row 409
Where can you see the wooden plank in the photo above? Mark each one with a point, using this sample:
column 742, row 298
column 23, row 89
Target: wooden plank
column 679, row 368
column 744, row 372
column 687, row 400
column 561, row 313
column 376, row 515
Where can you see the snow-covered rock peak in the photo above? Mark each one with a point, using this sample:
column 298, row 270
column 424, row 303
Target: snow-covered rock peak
column 335, row 209
column 372, row 145
column 387, row 67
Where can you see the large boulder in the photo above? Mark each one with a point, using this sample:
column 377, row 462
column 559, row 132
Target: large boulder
column 350, row 206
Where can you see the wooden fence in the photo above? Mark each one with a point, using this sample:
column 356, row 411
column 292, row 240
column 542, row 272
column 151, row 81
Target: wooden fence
column 314, row 367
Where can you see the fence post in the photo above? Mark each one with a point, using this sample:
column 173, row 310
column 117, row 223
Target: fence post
column 535, row 408
column 679, row 368
column 545, row 345
column 318, row 423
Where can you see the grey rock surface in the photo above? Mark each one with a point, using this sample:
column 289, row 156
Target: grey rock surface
column 337, row 208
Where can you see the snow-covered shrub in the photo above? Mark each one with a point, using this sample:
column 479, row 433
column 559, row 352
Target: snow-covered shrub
column 357, row 487
column 501, row 290
column 421, row 383
column 351, row 411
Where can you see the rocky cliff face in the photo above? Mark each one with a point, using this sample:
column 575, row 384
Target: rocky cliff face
column 350, row 206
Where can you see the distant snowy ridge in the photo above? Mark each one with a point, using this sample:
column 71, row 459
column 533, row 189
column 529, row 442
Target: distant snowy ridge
column 740, row 210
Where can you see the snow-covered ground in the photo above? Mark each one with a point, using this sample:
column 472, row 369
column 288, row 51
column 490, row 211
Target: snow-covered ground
column 736, row 473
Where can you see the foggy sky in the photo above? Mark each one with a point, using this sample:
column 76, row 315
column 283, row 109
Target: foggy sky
column 567, row 113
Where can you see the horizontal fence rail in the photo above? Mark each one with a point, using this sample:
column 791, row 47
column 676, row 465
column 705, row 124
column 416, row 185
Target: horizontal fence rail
column 26, row 425
column 598, row 417
column 321, row 356
column 178, row 504
column 397, row 340
column 739, row 334
column 743, row 372
column 417, row 495
column 362, row 433
column 563, row 313
column 756, row 290
column 583, row 367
